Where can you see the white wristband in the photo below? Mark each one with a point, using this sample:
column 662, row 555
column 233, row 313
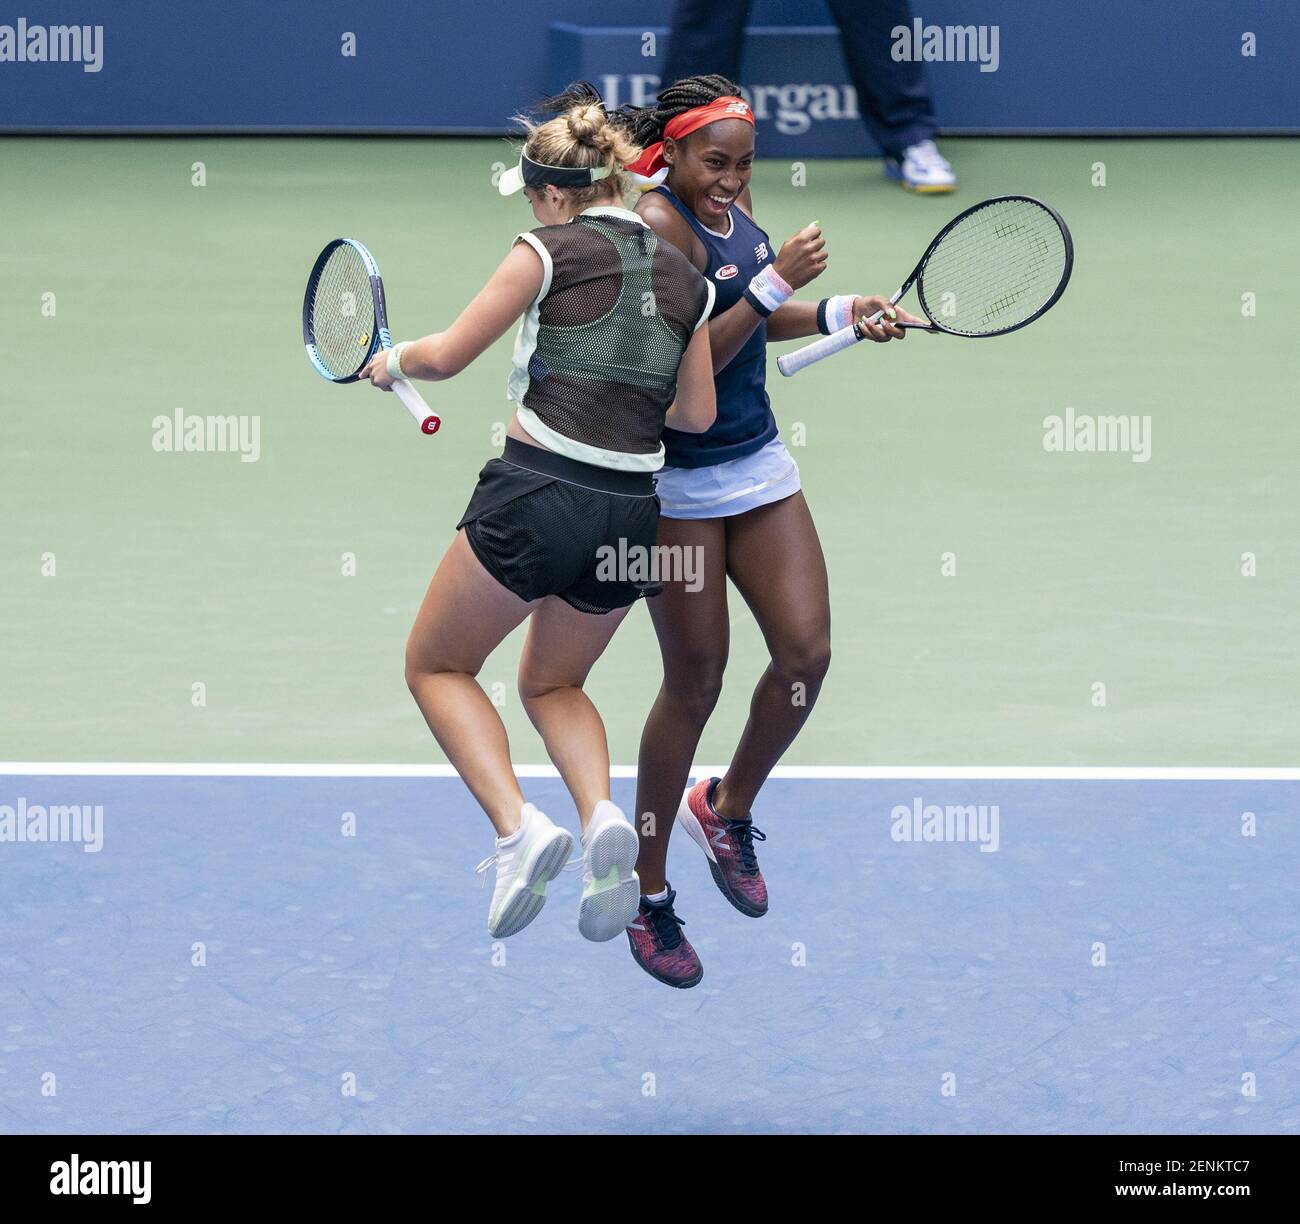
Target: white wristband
column 838, row 312
column 767, row 291
column 395, row 361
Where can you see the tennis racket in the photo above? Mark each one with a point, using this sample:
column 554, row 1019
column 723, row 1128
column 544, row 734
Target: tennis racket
column 992, row 270
column 345, row 322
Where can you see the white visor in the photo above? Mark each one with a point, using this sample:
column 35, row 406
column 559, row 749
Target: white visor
column 535, row 174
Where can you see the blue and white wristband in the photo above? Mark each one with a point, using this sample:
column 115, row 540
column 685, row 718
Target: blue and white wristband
column 767, row 291
column 835, row 313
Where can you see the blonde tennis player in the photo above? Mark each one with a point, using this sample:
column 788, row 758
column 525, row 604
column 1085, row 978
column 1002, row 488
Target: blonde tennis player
column 611, row 348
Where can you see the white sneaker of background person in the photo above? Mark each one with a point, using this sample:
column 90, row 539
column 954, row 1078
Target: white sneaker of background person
column 611, row 889
column 923, row 169
column 526, row 861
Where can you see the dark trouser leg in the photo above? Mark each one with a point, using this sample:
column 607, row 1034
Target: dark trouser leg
column 893, row 97
column 706, row 38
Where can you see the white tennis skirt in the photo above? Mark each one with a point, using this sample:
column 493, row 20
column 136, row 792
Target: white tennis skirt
column 768, row 475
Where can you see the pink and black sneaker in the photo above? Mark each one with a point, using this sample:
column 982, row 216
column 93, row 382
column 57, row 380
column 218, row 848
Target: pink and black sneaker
column 729, row 847
column 659, row 946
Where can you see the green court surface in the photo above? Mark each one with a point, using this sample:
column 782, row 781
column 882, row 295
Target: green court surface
column 173, row 569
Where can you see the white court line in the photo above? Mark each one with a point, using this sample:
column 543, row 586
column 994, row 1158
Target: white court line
column 1064, row 773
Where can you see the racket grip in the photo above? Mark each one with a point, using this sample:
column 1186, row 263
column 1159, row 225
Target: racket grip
column 818, row 350
column 415, row 405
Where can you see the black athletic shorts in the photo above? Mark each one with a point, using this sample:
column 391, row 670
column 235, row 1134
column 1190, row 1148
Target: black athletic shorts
column 545, row 524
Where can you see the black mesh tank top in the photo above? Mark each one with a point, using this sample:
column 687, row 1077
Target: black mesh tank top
column 597, row 354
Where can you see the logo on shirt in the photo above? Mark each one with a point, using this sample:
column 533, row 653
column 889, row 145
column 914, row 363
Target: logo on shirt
column 760, row 252
column 726, row 272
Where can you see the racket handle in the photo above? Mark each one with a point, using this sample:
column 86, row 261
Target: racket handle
column 818, row 350
column 415, row 405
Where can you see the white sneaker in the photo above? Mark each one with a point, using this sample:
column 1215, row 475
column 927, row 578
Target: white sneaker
column 526, row 861
column 611, row 889
column 923, row 169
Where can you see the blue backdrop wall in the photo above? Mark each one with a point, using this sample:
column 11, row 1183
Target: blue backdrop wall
column 1081, row 65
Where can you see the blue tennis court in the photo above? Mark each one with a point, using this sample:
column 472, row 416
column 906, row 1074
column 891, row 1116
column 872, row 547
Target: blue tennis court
column 896, row 985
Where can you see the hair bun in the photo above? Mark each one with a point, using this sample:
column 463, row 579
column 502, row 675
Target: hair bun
column 586, row 122
column 582, row 134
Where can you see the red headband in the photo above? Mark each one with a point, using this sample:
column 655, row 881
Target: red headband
column 652, row 159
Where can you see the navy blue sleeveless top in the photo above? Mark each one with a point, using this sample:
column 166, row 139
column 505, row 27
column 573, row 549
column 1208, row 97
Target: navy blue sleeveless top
column 745, row 422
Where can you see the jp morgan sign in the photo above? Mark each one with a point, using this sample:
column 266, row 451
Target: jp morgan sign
column 793, row 108
column 795, row 81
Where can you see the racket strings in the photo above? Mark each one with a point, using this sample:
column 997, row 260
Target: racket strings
column 994, row 270
column 983, row 292
column 979, row 241
column 343, row 313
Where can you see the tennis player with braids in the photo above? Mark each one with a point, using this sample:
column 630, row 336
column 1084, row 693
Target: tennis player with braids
column 732, row 493
column 596, row 377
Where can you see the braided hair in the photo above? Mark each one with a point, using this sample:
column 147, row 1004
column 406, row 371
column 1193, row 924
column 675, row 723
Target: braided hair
column 645, row 124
